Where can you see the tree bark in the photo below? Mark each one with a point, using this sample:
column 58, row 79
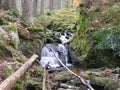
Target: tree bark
column 58, row 4
column 0, row 4
column 63, row 3
column 13, row 5
column 51, row 5
column 8, row 83
column 35, row 7
column 42, row 7
column 28, row 11
column 5, row 4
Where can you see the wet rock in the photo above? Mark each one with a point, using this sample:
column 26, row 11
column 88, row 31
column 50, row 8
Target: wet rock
column 112, row 85
column 24, row 33
column 77, row 83
column 118, row 89
column 100, row 81
column 76, row 59
column 63, row 76
column 107, row 83
column 93, row 72
column 30, row 47
column 32, row 42
column 117, row 70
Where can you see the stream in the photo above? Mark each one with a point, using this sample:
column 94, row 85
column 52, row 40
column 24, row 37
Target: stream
column 55, row 69
column 58, row 78
column 47, row 56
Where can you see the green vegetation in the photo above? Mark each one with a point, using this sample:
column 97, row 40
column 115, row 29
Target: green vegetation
column 58, row 20
column 2, row 21
column 80, row 41
column 18, row 85
column 111, row 15
column 36, row 28
column 97, row 34
column 63, row 76
column 108, row 39
column 12, row 27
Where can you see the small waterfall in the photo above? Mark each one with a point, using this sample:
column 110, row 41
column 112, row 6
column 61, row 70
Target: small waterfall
column 66, row 37
column 47, row 56
column 63, row 54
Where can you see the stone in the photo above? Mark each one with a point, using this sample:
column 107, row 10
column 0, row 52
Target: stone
column 9, row 36
column 63, row 76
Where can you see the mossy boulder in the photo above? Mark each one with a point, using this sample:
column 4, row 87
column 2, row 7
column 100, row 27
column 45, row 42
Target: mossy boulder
column 112, row 85
column 76, row 58
column 100, row 81
column 9, row 36
column 32, row 39
column 107, row 83
column 24, row 33
column 30, row 47
column 63, row 76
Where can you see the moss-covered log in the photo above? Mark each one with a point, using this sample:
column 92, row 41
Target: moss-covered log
column 8, row 83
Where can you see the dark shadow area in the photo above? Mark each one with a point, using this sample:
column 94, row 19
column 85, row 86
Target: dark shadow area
column 98, row 87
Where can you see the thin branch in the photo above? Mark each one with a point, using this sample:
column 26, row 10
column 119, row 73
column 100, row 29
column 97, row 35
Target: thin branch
column 12, row 63
column 44, row 79
column 44, row 76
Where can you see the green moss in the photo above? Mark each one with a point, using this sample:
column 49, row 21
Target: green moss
column 2, row 21
column 63, row 76
column 39, row 71
column 36, row 28
column 12, row 12
column 14, row 44
column 34, row 83
column 7, row 70
column 3, row 44
column 10, row 18
column 13, row 27
column 18, row 85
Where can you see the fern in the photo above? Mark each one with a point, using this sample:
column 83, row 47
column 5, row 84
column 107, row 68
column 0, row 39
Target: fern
column 108, row 38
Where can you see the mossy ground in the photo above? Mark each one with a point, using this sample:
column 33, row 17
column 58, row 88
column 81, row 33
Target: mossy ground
column 9, row 53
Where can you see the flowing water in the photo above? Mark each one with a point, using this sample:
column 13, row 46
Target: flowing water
column 47, row 56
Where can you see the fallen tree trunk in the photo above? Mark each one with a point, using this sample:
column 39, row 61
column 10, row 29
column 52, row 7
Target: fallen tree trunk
column 8, row 83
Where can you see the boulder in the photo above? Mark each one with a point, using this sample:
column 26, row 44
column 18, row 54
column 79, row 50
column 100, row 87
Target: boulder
column 63, row 76
column 9, row 36
column 76, row 59
column 107, row 83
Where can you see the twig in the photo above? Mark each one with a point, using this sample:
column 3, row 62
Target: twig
column 82, row 80
column 44, row 76
column 12, row 63
column 44, row 79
